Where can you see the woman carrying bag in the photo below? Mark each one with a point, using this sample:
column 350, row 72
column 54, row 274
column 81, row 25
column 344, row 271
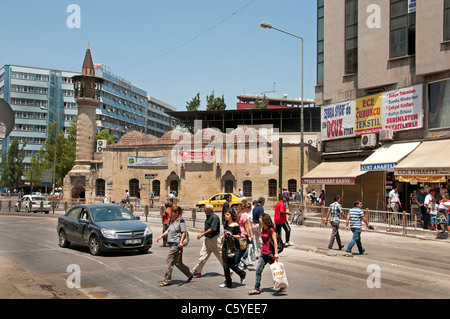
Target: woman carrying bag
column 268, row 254
column 175, row 234
column 232, row 234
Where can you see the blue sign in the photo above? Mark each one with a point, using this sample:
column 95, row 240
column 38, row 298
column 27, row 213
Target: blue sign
column 378, row 167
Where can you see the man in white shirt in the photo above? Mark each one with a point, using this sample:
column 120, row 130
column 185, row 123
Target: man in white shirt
column 430, row 204
column 394, row 199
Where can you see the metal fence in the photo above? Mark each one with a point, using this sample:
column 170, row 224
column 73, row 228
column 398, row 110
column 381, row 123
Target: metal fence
column 400, row 222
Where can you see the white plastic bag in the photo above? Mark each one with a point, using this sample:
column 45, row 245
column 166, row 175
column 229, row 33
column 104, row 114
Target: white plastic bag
column 279, row 275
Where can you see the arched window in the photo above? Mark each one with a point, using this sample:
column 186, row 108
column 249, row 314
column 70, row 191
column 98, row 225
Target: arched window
column 247, row 188
column 100, row 187
column 134, row 187
column 229, row 186
column 292, row 186
column 156, row 187
column 173, row 188
column 272, row 188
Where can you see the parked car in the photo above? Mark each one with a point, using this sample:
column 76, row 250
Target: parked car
column 32, row 203
column 218, row 200
column 103, row 227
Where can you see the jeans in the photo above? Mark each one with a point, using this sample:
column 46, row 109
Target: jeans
column 262, row 261
column 356, row 240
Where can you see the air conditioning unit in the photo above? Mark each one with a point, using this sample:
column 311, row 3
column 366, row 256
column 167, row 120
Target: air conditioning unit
column 369, row 140
column 386, row 135
column 101, row 144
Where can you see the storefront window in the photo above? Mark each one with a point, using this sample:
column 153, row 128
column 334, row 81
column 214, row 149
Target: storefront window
column 439, row 104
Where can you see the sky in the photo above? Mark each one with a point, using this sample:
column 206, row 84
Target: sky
column 171, row 49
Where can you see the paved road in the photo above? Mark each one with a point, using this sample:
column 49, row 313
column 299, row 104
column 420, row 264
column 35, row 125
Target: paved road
column 33, row 266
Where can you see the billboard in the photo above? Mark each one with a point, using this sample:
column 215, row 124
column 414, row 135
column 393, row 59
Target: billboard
column 398, row 110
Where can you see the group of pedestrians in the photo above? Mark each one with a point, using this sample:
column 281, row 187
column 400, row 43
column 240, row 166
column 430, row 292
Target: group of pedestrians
column 354, row 221
column 433, row 208
column 246, row 234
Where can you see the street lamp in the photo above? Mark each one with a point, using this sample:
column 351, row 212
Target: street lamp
column 302, row 123
column 56, row 145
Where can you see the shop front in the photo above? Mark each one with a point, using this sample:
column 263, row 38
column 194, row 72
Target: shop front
column 429, row 166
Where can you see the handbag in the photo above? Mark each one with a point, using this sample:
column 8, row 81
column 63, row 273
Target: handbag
column 279, row 275
column 231, row 247
column 243, row 243
column 186, row 236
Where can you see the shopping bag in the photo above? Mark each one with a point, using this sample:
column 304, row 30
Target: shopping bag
column 279, row 275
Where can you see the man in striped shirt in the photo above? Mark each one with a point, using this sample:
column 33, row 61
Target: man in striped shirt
column 356, row 217
column 334, row 213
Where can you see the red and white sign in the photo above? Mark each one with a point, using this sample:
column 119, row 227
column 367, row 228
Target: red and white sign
column 329, row 181
column 197, row 156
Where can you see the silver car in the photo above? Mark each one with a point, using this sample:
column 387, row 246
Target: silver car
column 32, row 203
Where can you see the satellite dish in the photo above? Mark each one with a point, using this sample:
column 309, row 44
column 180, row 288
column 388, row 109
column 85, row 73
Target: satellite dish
column 7, row 117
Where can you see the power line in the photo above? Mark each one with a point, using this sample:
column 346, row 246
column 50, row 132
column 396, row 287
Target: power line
column 191, row 40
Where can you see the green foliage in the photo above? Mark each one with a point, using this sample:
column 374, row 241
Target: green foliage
column 261, row 104
column 215, row 103
column 12, row 166
column 104, row 135
column 194, row 104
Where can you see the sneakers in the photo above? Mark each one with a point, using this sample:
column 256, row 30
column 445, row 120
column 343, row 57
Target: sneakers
column 197, row 274
column 289, row 243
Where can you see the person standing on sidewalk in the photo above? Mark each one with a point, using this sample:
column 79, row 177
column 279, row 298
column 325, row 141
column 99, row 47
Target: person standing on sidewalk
column 280, row 219
column 420, row 200
column 212, row 243
column 334, row 213
column 356, row 217
column 175, row 235
column 258, row 211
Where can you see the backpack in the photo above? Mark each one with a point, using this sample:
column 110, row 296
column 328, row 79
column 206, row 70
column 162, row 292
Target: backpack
column 279, row 243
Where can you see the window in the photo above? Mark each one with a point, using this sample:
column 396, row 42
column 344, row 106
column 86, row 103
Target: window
column 292, row 186
column 229, row 186
column 447, row 20
column 156, row 188
column 134, row 187
column 439, row 103
column 351, row 36
column 272, row 188
column 247, row 188
column 403, row 30
column 100, row 187
column 320, row 41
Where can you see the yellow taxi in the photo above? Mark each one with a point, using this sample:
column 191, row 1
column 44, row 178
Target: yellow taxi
column 218, row 200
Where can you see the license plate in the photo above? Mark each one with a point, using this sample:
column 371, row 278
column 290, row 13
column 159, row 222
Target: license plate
column 133, row 241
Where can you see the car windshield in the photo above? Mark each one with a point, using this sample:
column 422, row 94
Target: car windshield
column 38, row 198
column 99, row 214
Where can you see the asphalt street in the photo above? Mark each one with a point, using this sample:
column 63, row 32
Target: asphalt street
column 33, row 266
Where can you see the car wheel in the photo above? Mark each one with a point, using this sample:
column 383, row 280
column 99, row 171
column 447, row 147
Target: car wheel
column 63, row 242
column 47, row 211
column 94, row 246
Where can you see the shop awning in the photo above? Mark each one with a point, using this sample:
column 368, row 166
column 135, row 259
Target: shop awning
column 334, row 173
column 387, row 157
column 428, row 162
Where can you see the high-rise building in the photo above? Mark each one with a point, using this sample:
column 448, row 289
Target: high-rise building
column 383, row 83
column 40, row 97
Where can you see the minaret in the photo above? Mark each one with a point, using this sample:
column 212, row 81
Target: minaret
column 88, row 88
column 78, row 182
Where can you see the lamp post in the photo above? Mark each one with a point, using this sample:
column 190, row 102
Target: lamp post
column 302, row 123
column 56, row 145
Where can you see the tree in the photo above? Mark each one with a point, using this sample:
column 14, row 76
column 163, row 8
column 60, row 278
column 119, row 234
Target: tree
column 215, row 103
column 261, row 104
column 104, row 135
column 194, row 104
column 12, row 166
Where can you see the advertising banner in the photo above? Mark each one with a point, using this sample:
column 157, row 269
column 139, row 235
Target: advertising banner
column 368, row 114
column 337, row 120
column 398, row 110
column 148, row 161
column 197, row 156
column 403, row 109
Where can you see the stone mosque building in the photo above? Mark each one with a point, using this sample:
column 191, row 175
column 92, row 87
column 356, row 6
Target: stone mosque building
column 193, row 167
